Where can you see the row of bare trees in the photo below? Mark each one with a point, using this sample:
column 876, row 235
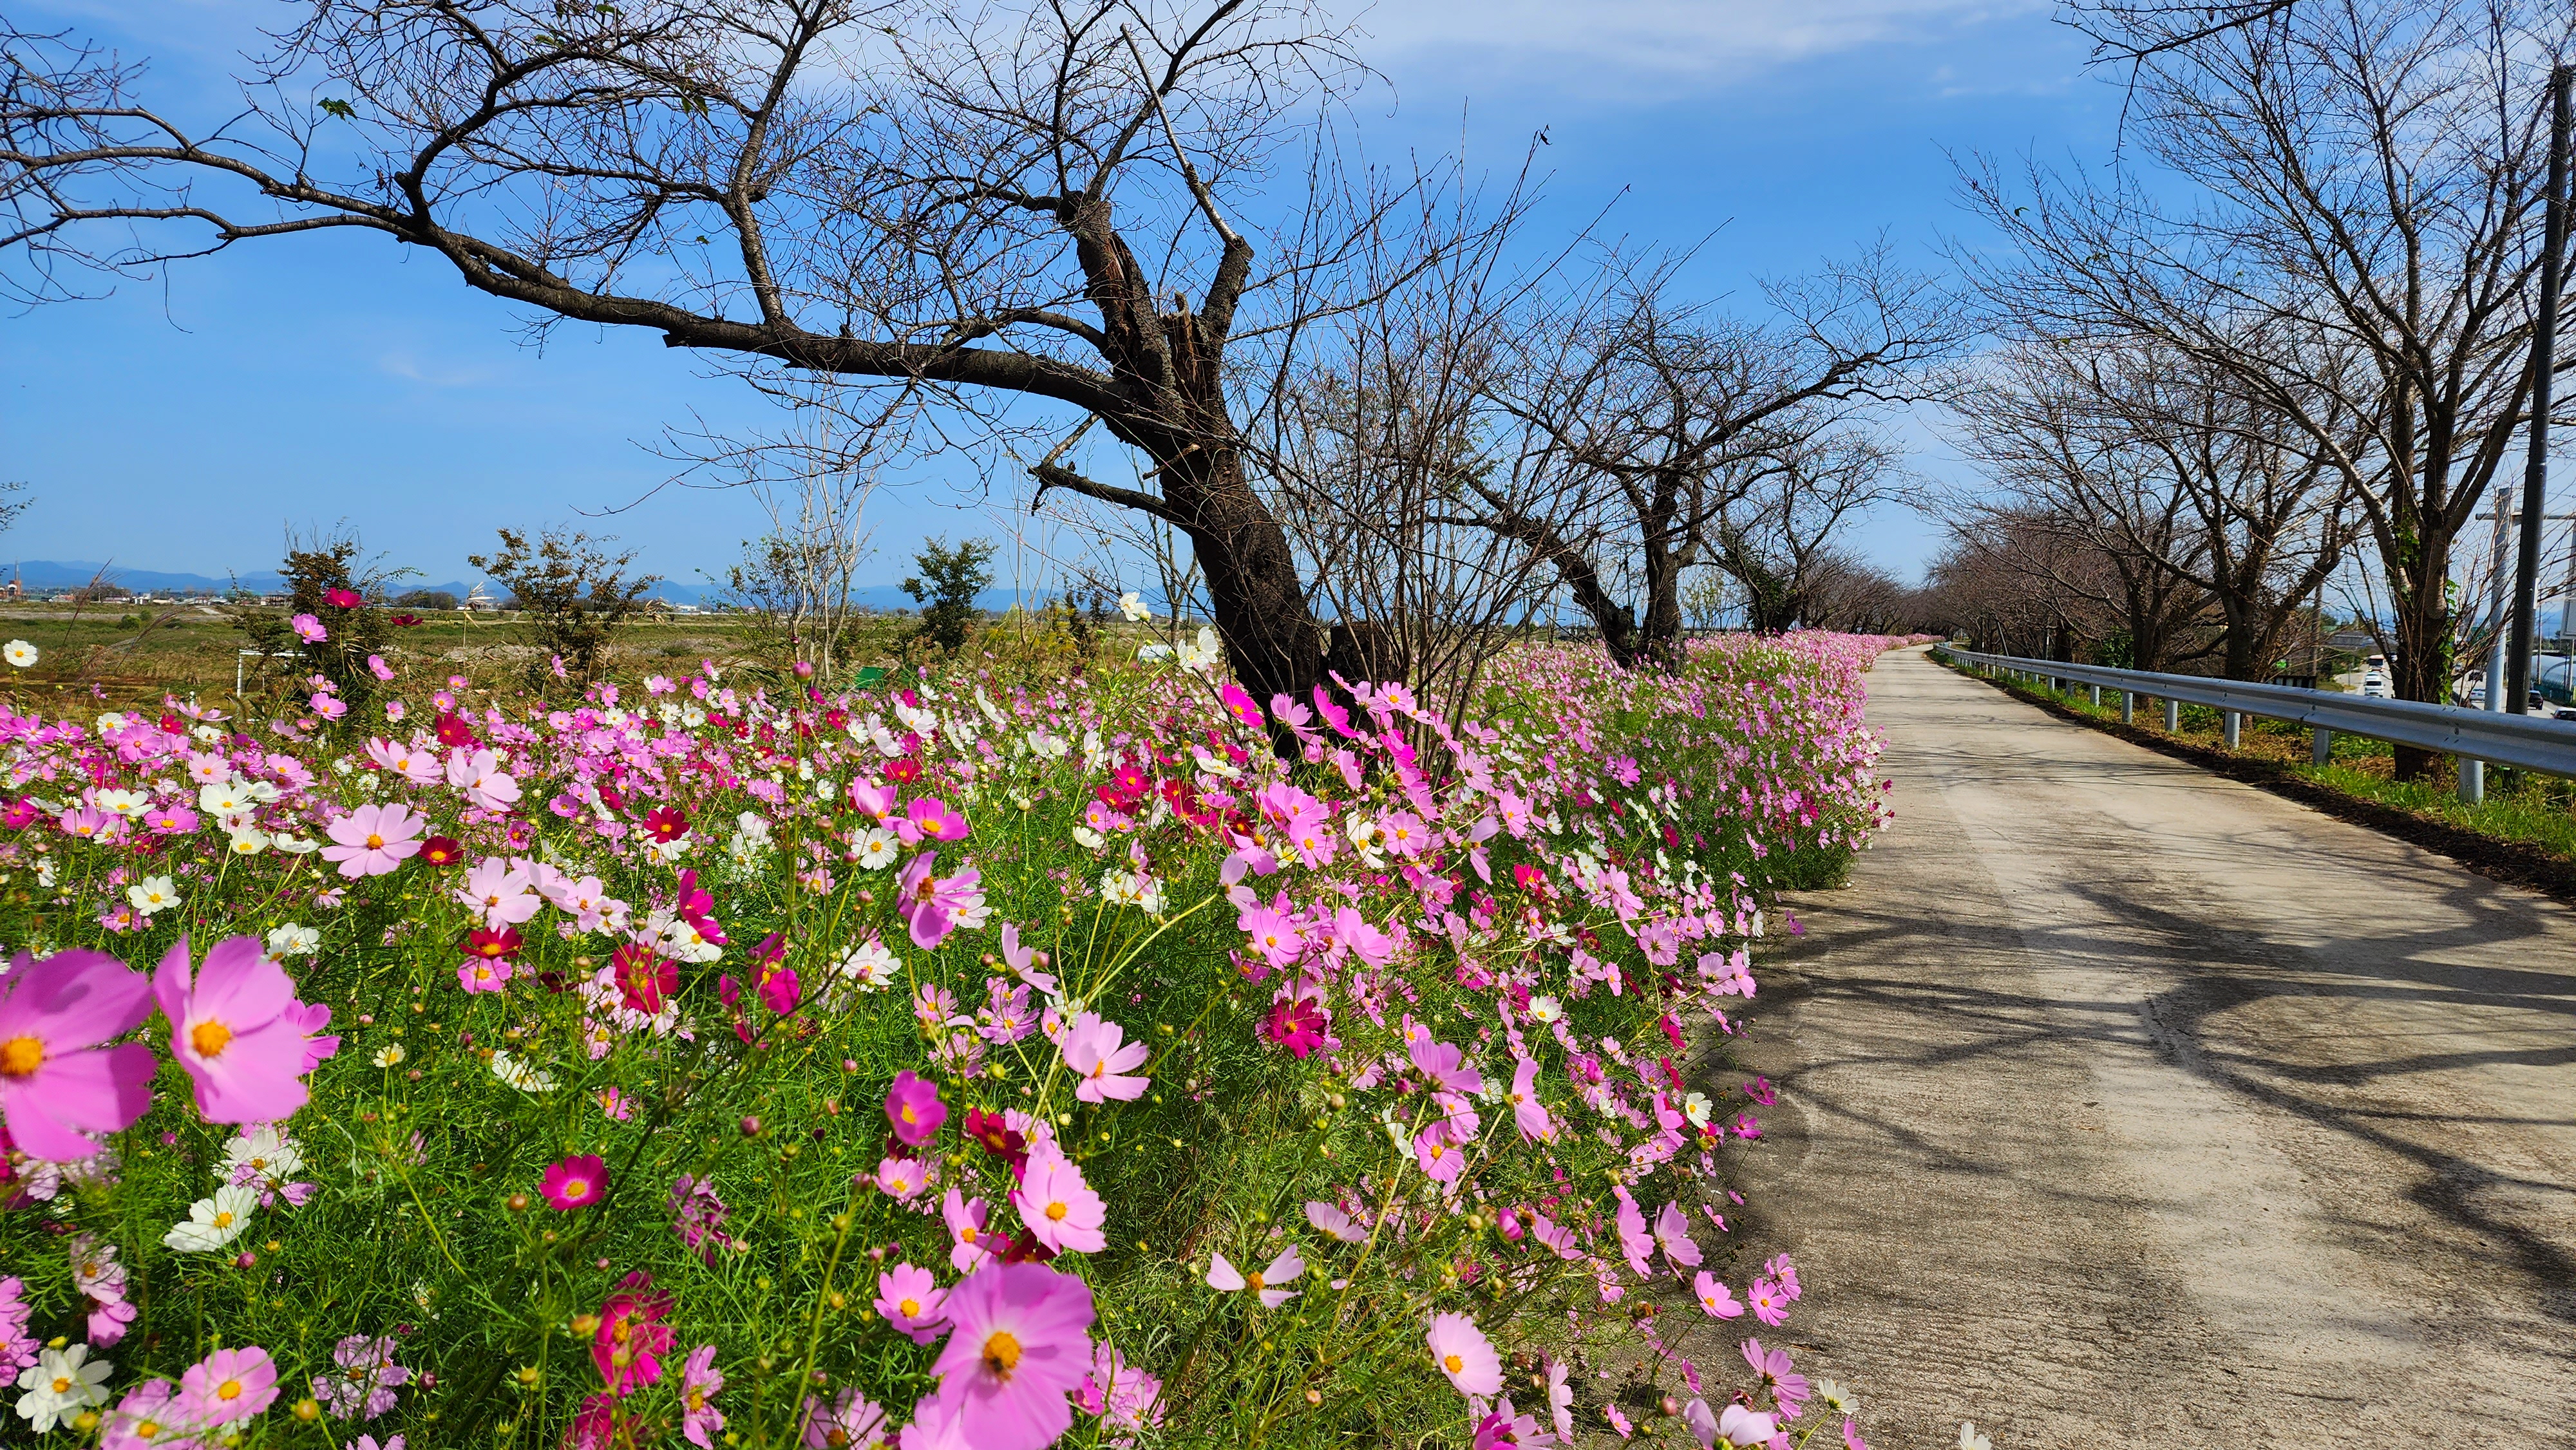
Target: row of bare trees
column 2284, row 340
column 1364, row 412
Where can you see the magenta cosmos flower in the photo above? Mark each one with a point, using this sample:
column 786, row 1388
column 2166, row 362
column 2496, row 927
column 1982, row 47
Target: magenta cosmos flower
column 1297, row 1026
column 934, row 820
column 374, row 839
column 57, row 1084
column 632, row 1336
column 238, row 1031
column 914, row 1108
column 577, row 1182
column 1465, row 1355
column 227, row 1385
column 1091, row 1048
column 1019, row 1344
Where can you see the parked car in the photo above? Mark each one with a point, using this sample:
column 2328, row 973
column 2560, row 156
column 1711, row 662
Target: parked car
column 2374, row 685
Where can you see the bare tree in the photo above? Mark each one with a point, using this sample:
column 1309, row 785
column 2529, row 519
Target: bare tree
column 813, row 485
column 1669, row 406
column 1775, row 538
column 1000, row 204
column 2370, row 176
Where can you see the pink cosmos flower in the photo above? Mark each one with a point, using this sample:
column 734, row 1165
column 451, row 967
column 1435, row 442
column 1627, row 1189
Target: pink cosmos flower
column 1672, row 1231
column 363, row 1385
column 1124, row 1396
column 1444, row 1064
column 1715, row 1299
column 934, row 820
column 631, row 1335
column 1091, row 1048
column 1528, row 1113
column 1783, row 1273
column 17, row 1346
column 482, row 780
column 700, row 1381
column 1787, row 1386
column 902, row 1179
column 376, row 666
column 851, row 1420
column 1770, row 1303
column 971, row 1243
column 1442, row 1161
column 237, row 1029
column 1851, row 1435
column 914, row 1108
column 576, row 1182
column 932, row 903
column 227, row 1385
column 1332, row 1220
column 143, row 1419
column 1273, row 934
column 479, row 974
column 328, row 705
column 309, row 629
column 1738, row 1425
column 1463, row 1353
column 1020, row 1345
column 910, row 1300
column 1059, row 1207
column 1226, row 1278
column 501, row 891
column 1634, row 1242
column 57, row 1084
column 1502, row 1427
column 374, row 839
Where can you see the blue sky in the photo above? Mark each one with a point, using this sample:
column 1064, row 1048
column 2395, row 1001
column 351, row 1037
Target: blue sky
column 181, row 426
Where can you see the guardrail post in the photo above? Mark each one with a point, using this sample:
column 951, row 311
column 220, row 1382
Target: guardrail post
column 2321, row 747
column 2473, row 780
column 2097, row 697
column 2128, row 707
column 2173, row 717
column 2233, row 726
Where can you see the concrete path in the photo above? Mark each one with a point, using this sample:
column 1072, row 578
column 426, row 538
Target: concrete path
column 2119, row 1100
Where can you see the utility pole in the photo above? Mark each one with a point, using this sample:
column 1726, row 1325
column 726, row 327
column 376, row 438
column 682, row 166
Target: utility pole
column 2535, row 473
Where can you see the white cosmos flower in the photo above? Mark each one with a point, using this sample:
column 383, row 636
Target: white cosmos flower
column 1085, row 836
column 214, row 1222
column 1200, row 654
column 521, row 1075
column 870, row 964
column 223, row 798
column 876, row 850
column 112, row 720
column 292, row 940
column 19, row 653
column 61, row 1384
column 1545, row 1009
column 389, row 1056
column 1696, row 1108
column 153, row 894
column 126, row 803
column 1130, row 604
column 266, row 1151
column 249, row 841
column 295, row 845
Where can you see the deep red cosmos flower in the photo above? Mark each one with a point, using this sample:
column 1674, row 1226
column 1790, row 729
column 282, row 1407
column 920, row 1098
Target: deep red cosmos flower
column 452, row 730
column 441, row 851
column 404, row 621
column 904, row 771
column 994, row 1132
column 342, row 598
column 665, row 823
column 493, row 946
column 645, row 978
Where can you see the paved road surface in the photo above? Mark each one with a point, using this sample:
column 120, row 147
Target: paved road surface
column 2124, row 1101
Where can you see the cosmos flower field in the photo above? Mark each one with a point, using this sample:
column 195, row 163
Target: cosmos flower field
column 963, row 1062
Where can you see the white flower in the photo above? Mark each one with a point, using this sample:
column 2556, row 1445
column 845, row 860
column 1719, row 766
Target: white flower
column 249, row 841
column 1841, row 1401
column 870, row 964
column 295, row 845
column 112, row 720
column 1696, row 1108
column 1545, row 1009
column 389, row 1056
column 265, row 1152
column 520, row 1075
column 1152, row 652
column 62, row 1382
column 1130, row 604
column 214, row 1222
column 1201, row 654
column 224, row 799
column 153, row 894
column 1137, row 890
column 21, row 654
column 1969, row 1439
column 1087, row 837
column 876, row 850
column 292, row 940
column 127, row 803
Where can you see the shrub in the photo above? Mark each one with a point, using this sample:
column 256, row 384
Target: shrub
column 946, row 588
column 574, row 591
column 690, row 1061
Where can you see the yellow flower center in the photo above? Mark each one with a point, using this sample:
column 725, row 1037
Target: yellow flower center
column 21, row 1056
column 1253, row 1282
column 1056, row 1211
column 147, row 1429
column 576, row 1188
column 209, row 1038
column 229, row 1390
column 964, row 1236
column 1452, row 1363
column 1001, row 1353
column 911, row 1308
column 61, row 1384
column 906, row 1111
column 224, row 1219
column 375, row 842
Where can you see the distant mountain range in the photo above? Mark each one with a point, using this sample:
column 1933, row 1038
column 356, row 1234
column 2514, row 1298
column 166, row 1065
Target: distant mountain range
column 45, row 574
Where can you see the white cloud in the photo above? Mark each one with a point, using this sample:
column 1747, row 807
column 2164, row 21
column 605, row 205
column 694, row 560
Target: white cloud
column 1649, row 49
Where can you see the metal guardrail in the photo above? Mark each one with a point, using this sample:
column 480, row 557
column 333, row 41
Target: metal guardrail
column 2548, row 746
